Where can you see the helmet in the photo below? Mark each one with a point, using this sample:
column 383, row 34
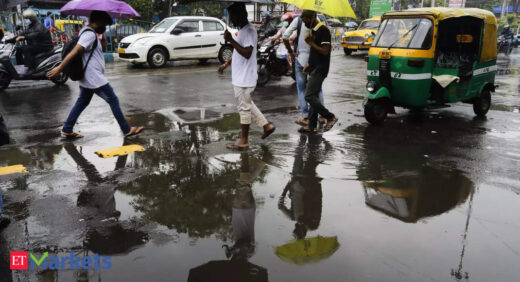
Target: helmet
column 30, row 15
column 507, row 26
column 287, row 17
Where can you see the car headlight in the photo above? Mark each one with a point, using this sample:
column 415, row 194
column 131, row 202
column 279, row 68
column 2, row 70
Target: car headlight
column 372, row 87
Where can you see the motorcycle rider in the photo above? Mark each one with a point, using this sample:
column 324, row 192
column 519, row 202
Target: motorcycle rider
column 267, row 28
column 38, row 38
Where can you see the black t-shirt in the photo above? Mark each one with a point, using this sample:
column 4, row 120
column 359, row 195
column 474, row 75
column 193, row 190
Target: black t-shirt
column 318, row 61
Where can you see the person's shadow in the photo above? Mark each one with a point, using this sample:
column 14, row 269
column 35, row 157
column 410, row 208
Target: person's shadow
column 304, row 189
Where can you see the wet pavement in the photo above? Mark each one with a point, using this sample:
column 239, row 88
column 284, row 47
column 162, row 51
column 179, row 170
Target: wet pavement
column 430, row 196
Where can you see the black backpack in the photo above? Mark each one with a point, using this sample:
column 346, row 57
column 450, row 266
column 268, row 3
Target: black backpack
column 75, row 69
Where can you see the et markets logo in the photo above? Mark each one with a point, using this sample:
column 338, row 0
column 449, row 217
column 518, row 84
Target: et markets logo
column 26, row 260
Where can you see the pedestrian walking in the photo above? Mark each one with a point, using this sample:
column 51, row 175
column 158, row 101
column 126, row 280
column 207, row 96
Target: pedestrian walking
column 318, row 68
column 300, row 58
column 244, row 74
column 93, row 81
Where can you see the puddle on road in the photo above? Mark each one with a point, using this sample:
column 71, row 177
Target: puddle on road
column 374, row 205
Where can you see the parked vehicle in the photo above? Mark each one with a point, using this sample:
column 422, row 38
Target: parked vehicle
column 505, row 45
column 446, row 55
column 362, row 38
column 178, row 38
column 272, row 60
column 44, row 61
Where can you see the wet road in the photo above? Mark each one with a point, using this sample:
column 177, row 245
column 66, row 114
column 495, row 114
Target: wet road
column 432, row 196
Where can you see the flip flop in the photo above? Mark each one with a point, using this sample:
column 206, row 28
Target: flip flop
column 306, row 130
column 268, row 132
column 72, row 135
column 301, row 122
column 134, row 131
column 330, row 124
column 237, row 147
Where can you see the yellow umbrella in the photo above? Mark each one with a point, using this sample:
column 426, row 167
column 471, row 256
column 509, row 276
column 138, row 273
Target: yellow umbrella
column 306, row 251
column 333, row 8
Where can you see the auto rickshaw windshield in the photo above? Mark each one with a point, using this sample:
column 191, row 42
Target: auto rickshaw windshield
column 406, row 33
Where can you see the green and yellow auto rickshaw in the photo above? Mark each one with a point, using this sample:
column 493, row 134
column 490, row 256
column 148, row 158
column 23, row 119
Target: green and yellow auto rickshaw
column 426, row 58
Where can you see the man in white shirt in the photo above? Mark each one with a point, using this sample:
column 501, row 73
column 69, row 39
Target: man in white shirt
column 244, row 74
column 300, row 57
column 93, row 81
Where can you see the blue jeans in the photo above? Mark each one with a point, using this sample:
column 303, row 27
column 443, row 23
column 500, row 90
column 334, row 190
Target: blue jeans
column 85, row 95
column 301, row 85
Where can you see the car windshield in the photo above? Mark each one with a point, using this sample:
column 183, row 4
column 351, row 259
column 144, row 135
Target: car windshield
column 163, row 26
column 407, row 33
column 369, row 25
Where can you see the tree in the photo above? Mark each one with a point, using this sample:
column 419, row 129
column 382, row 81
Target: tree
column 143, row 7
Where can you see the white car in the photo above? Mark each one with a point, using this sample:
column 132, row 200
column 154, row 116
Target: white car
column 178, row 38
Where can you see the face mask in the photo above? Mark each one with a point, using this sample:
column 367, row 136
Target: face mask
column 308, row 25
column 101, row 30
column 285, row 24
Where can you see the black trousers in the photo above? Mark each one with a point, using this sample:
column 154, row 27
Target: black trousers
column 312, row 96
column 25, row 55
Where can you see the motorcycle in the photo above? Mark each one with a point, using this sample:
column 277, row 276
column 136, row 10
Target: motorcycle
column 504, row 45
column 45, row 62
column 272, row 60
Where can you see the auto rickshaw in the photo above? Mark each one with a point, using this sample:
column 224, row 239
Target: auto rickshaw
column 428, row 57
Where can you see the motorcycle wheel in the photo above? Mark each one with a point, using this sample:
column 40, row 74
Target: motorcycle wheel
column 61, row 79
column 264, row 75
column 5, row 80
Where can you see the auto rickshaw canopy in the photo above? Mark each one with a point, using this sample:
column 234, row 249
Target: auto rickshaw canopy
column 489, row 40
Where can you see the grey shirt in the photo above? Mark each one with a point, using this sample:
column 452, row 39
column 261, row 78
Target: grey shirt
column 95, row 71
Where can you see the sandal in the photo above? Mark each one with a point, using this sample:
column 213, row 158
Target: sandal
column 302, row 121
column 134, row 131
column 269, row 132
column 330, row 124
column 237, row 147
column 72, row 135
column 322, row 120
column 304, row 129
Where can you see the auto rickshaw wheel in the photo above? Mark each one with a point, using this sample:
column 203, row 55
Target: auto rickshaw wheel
column 347, row 51
column 376, row 111
column 482, row 103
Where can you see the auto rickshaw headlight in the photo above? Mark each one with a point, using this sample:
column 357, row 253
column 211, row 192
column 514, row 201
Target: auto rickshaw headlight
column 372, row 86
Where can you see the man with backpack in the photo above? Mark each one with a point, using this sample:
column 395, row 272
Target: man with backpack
column 300, row 57
column 86, row 63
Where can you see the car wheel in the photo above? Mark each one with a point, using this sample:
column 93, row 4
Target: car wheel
column 376, row 111
column 225, row 54
column 5, row 80
column 60, row 79
column 482, row 103
column 347, row 51
column 157, row 57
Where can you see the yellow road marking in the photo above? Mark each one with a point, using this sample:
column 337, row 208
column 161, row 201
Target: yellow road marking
column 119, row 151
column 12, row 169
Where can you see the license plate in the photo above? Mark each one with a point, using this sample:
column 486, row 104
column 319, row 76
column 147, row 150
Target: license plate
column 121, row 51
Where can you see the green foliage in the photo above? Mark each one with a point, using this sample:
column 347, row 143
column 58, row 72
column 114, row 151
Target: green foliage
column 143, row 7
